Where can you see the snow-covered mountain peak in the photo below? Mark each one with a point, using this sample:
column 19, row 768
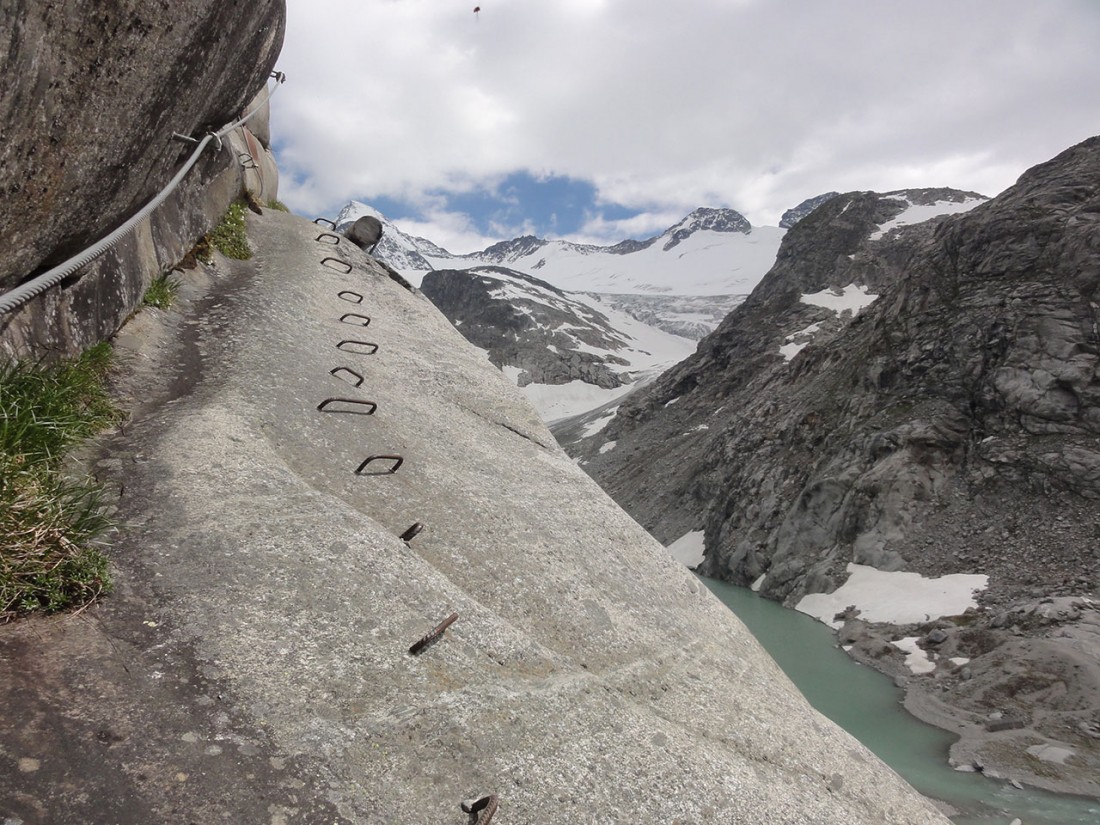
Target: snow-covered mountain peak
column 510, row 251
column 355, row 210
column 706, row 218
column 404, row 252
column 711, row 252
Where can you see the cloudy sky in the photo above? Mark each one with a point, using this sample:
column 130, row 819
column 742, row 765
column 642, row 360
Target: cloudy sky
column 605, row 119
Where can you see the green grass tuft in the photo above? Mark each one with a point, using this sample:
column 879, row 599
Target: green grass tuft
column 50, row 523
column 161, row 292
column 279, row 206
column 228, row 237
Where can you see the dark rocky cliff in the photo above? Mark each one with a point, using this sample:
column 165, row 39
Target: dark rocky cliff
column 966, row 395
column 952, row 425
column 526, row 323
column 90, row 96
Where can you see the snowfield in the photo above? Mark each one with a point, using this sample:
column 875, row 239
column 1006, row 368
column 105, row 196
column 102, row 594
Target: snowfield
column 896, row 598
column 688, row 549
column 919, row 213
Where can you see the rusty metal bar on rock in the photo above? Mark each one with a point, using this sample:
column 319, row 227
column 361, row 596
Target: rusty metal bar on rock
column 434, row 636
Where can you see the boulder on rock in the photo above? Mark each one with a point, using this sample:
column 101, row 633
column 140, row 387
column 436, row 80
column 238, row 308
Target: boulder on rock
column 365, row 233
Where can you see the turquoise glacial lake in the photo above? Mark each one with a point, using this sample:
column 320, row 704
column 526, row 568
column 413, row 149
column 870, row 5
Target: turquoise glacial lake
column 867, row 704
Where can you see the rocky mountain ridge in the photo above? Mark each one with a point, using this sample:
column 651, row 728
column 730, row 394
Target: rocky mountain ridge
column 656, row 297
column 797, row 213
column 528, row 321
column 907, row 397
column 709, row 252
column 670, row 304
column 567, row 352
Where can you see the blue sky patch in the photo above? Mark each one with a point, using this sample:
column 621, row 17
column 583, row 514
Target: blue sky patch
column 521, row 202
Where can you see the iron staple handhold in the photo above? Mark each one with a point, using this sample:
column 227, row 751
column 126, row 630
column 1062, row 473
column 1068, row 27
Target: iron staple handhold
column 325, row 263
column 324, row 405
column 358, row 379
column 348, row 345
column 318, row 221
column 434, row 636
column 335, row 238
column 357, row 319
column 396, row 459
column 349, row 296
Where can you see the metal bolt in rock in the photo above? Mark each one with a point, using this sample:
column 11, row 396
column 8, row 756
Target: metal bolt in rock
column 412, row 532
column 481, row 809
column 434, row 636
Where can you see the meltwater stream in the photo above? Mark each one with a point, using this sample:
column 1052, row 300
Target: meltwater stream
column 868, row 705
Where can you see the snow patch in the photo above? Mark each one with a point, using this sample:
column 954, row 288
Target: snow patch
column 1051, row 753
column 555, row 401
column 756, row 585
column 789, row 351
column 510, row 372
column 593, row 427
column 917, row 660
column 851, row 298
column 688, row 549
column 797, row 341
column 919, row 213
column 608, row 447
column 897, row 598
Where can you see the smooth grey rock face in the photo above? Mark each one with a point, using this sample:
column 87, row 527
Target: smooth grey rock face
column 588, row 676
column 90, row 94
column 365, row 232
column 966, row 396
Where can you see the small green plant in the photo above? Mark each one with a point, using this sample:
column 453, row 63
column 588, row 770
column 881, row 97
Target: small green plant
column 228, row 237
column 51, row 523
column 161, row 292
column 278, row 206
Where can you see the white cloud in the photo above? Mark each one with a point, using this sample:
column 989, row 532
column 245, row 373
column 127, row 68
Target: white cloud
column 671, row 105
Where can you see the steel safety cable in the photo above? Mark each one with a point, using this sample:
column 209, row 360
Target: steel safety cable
column 36, row 286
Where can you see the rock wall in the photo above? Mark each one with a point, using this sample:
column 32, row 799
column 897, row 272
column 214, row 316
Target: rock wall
column 92, row 93
column 964, row 395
